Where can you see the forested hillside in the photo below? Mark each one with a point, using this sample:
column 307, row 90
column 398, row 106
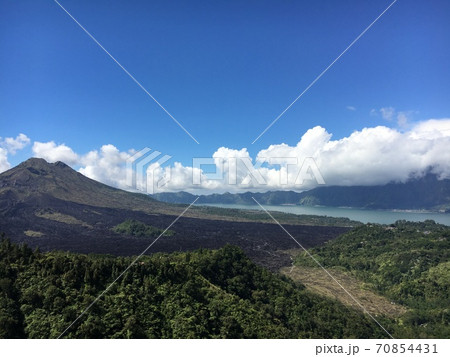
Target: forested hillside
column 215, row 294
column 407, row 262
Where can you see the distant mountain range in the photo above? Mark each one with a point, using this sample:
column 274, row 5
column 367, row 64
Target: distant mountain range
column 268, row 198
column 428, row 193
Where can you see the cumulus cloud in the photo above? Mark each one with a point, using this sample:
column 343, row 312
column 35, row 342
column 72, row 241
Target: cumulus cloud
column 370, row 156
column 375, row 155
column 9, row 146
column 107, row 165
column 4, row 164
column 52, row 152
column 431, row 129
column 12, row 145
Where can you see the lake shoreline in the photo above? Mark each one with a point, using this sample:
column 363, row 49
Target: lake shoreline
column 365, row 215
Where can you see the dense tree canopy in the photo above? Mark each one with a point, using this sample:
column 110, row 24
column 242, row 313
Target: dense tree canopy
column 136, row 228
column 222, row 294
column 407, row 262
column 202, row 294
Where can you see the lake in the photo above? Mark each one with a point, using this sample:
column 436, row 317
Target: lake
column 362, row 215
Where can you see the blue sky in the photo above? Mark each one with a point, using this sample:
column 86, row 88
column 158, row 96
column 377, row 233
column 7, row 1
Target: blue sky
column 224, row 69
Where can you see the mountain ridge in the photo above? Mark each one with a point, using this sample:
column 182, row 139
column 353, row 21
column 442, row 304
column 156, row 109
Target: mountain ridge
column 39, row 183
column 38, row 177
column 51, row 206
column 427, row 193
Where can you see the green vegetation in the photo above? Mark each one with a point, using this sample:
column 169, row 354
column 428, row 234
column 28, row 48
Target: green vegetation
column 135, row 228
column 409, row 263
column 222, row 294
column 203, row 294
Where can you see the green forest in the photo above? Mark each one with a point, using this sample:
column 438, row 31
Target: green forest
column 201, row 294
column 223, row 294
column 136, row 228
column 407, row 262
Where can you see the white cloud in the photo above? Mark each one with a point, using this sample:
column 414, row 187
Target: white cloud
column 4, row 164
column 9, row 146
column 12, row 145
column 431, row 129
column 108, row 165
column 378, row 155
column 52, row 152
column 370, row 156
column 351, row 108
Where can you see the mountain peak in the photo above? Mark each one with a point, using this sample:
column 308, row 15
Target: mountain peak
column 39, row 163
column 36, row 178
column 34, row 162
column 39, row 167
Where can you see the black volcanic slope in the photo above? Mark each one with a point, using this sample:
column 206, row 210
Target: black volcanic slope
column 51, row 206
